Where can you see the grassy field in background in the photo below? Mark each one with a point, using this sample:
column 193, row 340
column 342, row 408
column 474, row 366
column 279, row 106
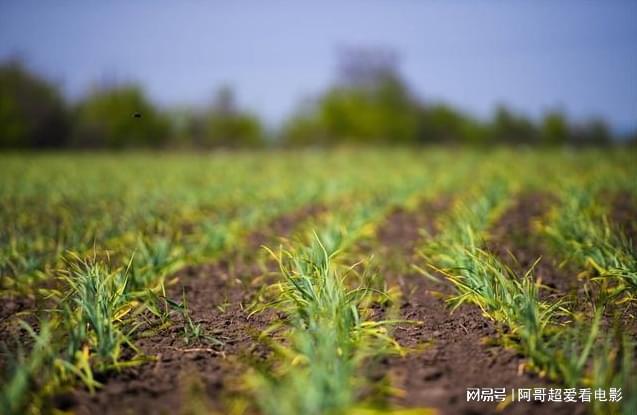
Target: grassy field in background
column 278, row 282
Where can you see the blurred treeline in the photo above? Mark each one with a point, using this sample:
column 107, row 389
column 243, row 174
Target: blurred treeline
column 368, row 104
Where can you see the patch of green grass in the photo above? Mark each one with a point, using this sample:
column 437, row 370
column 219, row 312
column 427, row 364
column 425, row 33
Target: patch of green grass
column 168, row 210
column 16, row 395
column 328, row 334
column 95, row 309
column 580, row 230
column 194, row 332
column 559, row 344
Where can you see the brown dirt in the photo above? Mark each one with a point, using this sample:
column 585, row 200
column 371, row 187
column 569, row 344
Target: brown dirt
column 454, row 355
column 624, row 215
column 215, row 301
column 218, row 295
column 451, row 351
column 12, row 306
column 513, row 240
column 283, row 225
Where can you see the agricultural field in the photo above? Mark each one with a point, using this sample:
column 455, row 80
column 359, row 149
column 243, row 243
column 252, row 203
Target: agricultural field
column 318, row 282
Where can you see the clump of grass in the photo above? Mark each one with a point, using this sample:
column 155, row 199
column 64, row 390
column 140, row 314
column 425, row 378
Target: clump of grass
column 558, row 343
column 553, row 349
column 481, row 279
column 193, row 331
column 16, row 395
column 91, row 323
column 614, row 366
column 327, row 334
column 159, row 306
column 96, row 321
column 153, row 260
column 469, row 219
column 95, row 309
column 581, row 231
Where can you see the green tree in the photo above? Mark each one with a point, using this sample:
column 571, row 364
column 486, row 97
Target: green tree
column 32, row 111
column 554, row 129
column 304, row 128
column 440, row 123
column 511, row 128
column 371, row 103
column 224, row 125
column 119, row 117
column 595, row 132
column 379, row 110
column 379, row 113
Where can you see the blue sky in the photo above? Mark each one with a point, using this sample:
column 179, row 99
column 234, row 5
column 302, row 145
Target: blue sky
column 579, row 56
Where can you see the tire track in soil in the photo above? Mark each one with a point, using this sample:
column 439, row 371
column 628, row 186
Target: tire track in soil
column 158, row 387
column 455, row 356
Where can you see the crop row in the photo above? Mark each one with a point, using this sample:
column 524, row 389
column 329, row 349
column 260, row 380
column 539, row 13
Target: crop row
column 94, row 241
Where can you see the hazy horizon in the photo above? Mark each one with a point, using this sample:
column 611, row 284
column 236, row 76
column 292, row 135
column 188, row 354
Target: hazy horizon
column 532, row 56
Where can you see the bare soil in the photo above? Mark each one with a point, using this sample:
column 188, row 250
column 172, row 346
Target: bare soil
column 514, row 240
column 458, row 351
column 450, row 351
column 624, row 215
column 218, row 297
